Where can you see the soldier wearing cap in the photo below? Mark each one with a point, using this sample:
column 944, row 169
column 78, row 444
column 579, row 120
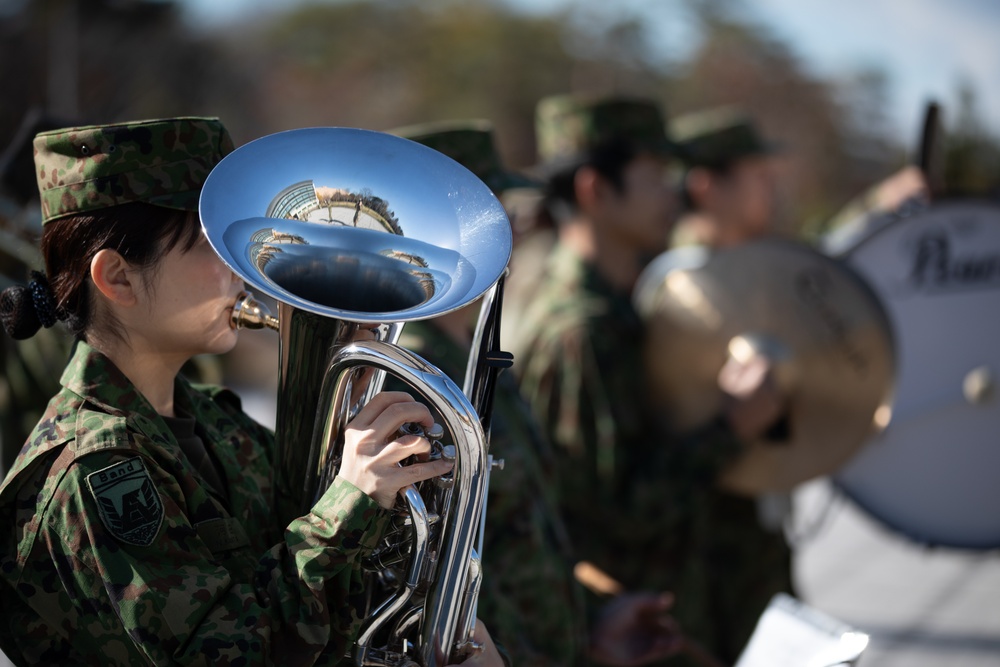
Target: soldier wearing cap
column 139, row 519
column 605, row 162
column 729, row 187
column 630, row 491
column 529, row 596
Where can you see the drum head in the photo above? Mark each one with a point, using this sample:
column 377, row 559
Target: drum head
column 934, row 473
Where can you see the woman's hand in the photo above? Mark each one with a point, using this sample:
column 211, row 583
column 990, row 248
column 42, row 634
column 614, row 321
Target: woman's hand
column 373, row 452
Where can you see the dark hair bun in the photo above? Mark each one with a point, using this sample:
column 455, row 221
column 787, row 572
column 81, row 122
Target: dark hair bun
column 17, row 312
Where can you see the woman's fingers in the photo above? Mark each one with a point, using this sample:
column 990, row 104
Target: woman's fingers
column 418, row 472
column 389, row 410
column 380, row 461
column 406, row 446
column 373, row 408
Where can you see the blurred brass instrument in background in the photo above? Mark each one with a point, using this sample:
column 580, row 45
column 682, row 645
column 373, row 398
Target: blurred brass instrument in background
column 353, row 233
column 825, row 333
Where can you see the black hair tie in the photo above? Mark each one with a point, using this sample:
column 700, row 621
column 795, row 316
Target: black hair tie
column 41, row 297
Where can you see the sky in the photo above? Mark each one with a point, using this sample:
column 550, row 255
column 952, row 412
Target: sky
column 926, row 47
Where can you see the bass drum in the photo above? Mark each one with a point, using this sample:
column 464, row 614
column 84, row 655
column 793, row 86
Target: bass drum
column 934, row 473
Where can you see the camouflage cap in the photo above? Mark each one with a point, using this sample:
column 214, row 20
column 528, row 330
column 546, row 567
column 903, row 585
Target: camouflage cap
column 469, row 143
column 717, row 137
column 162, row 162
column 567, row 127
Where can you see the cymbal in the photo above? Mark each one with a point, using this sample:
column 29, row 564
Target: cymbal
column 826, row 333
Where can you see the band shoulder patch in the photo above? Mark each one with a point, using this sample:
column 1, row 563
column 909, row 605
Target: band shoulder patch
column 129, row 505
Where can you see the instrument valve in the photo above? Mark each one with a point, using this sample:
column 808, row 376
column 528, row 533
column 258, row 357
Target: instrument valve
column 434, row 433
column 432, row 519
column 446, row 481
column 470, row 647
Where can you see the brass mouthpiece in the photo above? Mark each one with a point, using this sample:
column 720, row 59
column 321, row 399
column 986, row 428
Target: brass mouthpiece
column 249, row 313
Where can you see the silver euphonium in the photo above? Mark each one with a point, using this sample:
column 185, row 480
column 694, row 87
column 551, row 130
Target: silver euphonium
column 353, row 233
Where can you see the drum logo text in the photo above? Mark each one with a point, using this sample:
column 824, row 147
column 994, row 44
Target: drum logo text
column 937, row 266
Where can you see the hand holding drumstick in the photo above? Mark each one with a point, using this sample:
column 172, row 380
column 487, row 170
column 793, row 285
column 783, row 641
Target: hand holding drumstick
column 635, row 628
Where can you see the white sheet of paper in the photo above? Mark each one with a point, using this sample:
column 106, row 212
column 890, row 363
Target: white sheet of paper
column 792, row 634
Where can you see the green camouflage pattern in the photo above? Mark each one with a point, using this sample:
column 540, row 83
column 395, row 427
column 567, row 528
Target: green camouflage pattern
column 739, row 564
column 471, row 144
column 29, row 376
column 529, row 599
column 219, row 583
column 29, row 369
column 717, row 137
column 577, row 354
column 161, row 162
column 567, row 127
column 638, row 501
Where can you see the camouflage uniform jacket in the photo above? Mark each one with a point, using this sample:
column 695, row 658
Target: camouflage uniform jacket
column 116, row 551
column 577, row 352
column 529, row 599
column 639, row 502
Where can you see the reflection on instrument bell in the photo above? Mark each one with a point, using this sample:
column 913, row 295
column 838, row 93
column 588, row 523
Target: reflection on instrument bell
column 354, row 232
column 825, row 333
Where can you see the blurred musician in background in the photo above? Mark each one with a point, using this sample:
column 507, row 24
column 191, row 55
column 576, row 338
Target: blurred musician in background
column 729, row 186
column 631, row 494
column 730, row 198
column 729, row 192
column 529, row 597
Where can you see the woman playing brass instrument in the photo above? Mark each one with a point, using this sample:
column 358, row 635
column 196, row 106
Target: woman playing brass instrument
column 138, row 519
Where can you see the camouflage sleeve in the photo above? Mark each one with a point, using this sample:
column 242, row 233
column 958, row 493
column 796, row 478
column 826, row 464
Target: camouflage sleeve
column 585, row 383
column 180, row 603
column 576, row 393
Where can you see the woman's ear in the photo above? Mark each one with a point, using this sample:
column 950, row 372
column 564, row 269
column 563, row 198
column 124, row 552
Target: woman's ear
column 114, row 278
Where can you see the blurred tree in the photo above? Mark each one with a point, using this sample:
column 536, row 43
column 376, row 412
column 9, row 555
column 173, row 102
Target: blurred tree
column 382, row 64
column 863, row 96
column 106, row 60
column 972, row 154
column 832, row 148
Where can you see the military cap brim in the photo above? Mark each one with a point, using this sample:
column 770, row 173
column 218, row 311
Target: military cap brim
column 569, row 128
column 718, row 137
column 162, row 162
